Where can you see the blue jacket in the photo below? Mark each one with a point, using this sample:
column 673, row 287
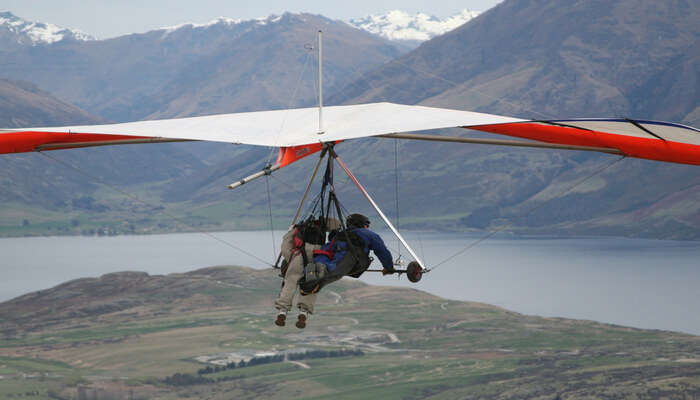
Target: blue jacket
column 339, row 248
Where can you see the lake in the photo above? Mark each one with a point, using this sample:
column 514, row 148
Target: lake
column 633, row 282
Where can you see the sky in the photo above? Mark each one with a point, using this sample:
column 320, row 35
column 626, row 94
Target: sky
column 109, row 18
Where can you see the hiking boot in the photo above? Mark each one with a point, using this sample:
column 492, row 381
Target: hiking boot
column 301, row 321
column 281, row 319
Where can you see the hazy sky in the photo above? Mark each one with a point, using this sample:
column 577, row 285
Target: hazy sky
column 108, row 18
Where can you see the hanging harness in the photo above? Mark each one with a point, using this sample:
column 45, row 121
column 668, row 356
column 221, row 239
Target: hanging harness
column 346, row 252
column 346, row 248
column 353, row 249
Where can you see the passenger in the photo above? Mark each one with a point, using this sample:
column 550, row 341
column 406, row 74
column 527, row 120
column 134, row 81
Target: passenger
column 298, row 245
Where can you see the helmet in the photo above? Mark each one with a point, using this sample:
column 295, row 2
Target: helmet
column 357, row 220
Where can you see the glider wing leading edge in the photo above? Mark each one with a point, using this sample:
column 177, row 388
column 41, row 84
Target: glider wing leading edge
column 660, row 141
column 296, row 131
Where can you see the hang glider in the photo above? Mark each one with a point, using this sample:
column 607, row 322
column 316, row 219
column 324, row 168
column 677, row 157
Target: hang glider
column 294, row 133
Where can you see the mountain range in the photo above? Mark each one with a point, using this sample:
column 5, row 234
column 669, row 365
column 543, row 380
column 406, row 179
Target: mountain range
column 534, row 58
column 16, row 32
column 394, row 25
column 224, row 66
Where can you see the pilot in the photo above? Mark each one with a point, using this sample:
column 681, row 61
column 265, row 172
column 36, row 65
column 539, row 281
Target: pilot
column 346, row 254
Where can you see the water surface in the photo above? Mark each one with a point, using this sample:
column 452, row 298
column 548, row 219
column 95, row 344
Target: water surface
column 633, row 282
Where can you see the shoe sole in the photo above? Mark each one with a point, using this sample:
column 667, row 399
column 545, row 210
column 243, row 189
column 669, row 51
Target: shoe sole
column 280, row 321
column 301, row 322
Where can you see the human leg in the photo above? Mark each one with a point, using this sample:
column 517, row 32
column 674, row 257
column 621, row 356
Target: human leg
column 306, row 303
column 287, row 246
column 291, row 279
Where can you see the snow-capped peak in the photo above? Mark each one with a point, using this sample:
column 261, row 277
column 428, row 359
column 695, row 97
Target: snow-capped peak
column 400, row 25
column 218, row 21
column 221, row 21
column 34, row 33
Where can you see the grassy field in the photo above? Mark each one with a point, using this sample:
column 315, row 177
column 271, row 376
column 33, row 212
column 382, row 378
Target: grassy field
column 415, row 345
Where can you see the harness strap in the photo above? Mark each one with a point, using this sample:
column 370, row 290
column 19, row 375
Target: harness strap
column 300, row 245
column 298, row 240
column 328, row 253
column 303, row 254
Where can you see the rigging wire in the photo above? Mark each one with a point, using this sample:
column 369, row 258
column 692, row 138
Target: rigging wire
column 314, row 72
column 283, row 183
column 396, row 193
column 162, row 211
column 420, row 239
column 289, row 105
column 472, row 89
column 422, row 251
column 346, row 179
column 272, row 151
column 272, row 228
column 362, row 75
column 532, row 210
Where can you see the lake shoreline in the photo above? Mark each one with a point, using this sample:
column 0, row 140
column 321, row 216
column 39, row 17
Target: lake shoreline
column 644, row 283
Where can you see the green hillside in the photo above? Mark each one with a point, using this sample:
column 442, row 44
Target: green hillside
column 131, row 334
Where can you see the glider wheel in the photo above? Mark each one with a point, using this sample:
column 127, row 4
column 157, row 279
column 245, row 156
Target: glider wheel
column 414, row 272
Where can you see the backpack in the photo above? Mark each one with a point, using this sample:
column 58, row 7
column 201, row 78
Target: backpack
column 309, row 231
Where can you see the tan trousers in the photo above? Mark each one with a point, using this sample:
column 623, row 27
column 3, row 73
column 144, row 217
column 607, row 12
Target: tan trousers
column 295, row 271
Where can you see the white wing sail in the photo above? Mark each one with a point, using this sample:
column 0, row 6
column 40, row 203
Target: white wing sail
column 292, row 127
